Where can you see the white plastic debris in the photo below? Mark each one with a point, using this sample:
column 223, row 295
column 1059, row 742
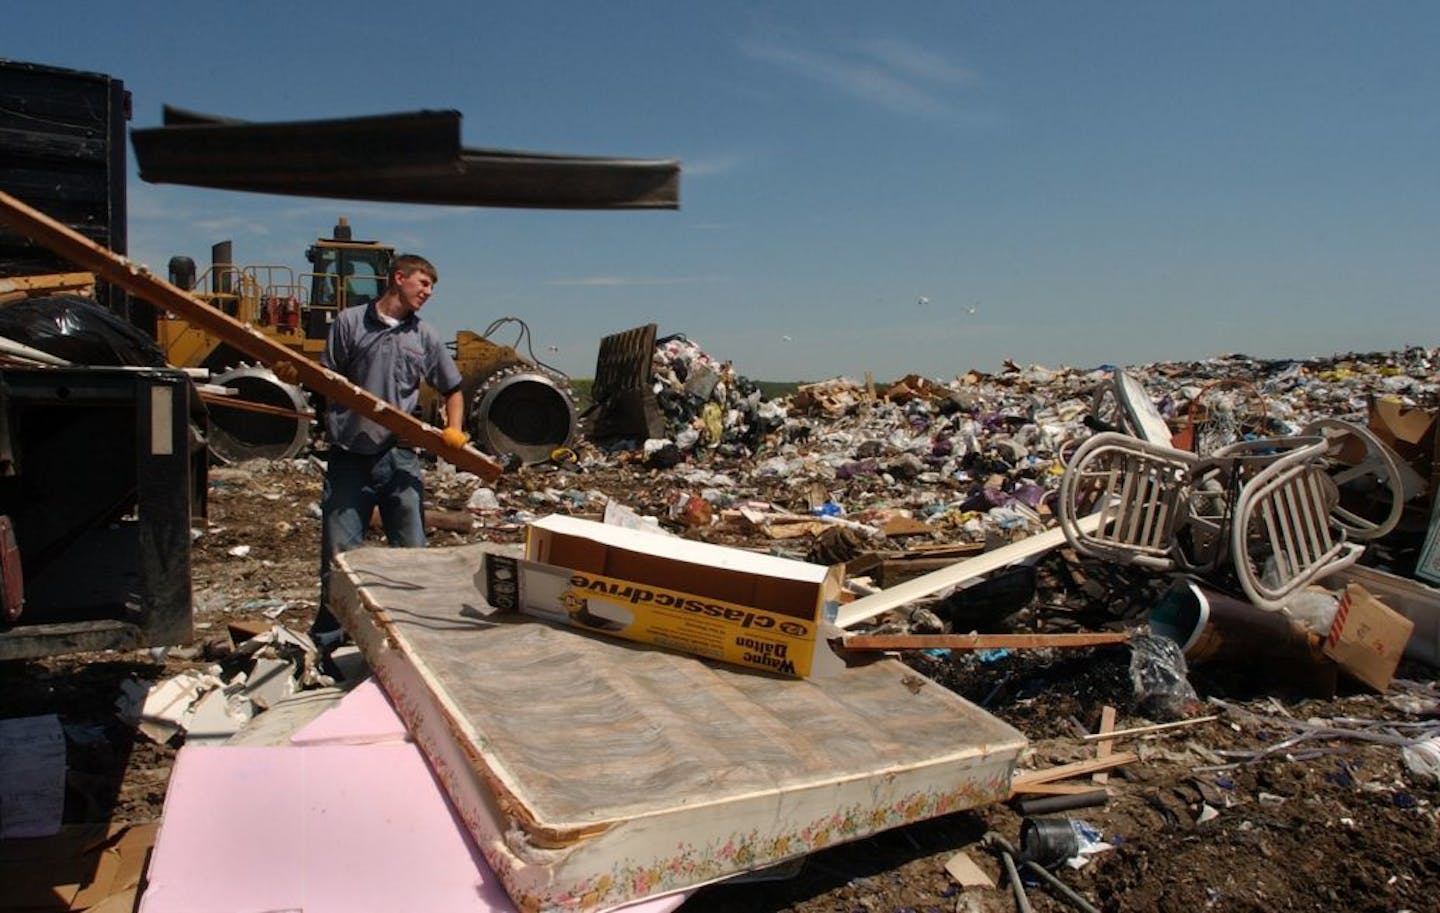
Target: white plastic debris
column 483, row 499
column 1423, row 759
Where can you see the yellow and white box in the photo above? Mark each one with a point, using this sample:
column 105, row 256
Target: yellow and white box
column 726, row 604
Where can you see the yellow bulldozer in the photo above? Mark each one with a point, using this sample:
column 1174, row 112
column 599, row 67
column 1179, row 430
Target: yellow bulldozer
column 516, row 406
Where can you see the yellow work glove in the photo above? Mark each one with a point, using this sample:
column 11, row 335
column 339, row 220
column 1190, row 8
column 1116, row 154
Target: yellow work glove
column 286, row 372
column 454, row 437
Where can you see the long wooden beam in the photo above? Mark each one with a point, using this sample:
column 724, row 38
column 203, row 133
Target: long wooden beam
column 1105, row 737
column 138, row 281
column 1073, row 769
column 981, row 641
column 867, row 607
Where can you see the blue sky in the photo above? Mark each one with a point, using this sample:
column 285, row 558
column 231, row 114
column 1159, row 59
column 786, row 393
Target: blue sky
column 904, row 187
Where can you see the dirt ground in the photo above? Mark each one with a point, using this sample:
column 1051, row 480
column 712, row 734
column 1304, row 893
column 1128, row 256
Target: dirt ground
column 1343, row 827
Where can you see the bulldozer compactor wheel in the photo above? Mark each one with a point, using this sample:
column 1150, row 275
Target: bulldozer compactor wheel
column 278, row 430
column 523, row 409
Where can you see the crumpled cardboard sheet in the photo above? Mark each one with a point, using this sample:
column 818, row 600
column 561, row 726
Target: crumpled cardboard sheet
column 93, row 867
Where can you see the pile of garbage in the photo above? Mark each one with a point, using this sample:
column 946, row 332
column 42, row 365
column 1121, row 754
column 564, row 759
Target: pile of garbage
column 975, row 459
column 707, row 406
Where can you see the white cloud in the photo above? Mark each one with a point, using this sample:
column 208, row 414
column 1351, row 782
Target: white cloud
column 895, row 74
column 918, row 63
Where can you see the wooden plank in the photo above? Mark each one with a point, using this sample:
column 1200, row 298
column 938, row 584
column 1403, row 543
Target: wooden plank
column 138, row 281
column 1052, row 789
column 1155, row 727
column 868, row 607
column 1106, row 746
column 53, row 282
column 1073, row 769
column 229, row 401
column 980, row 641
column 936, row 550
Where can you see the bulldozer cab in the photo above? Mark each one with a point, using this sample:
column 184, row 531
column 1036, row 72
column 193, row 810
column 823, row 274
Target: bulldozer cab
column 345, row 273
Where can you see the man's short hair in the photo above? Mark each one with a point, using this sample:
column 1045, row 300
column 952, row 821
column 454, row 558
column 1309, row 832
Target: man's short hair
column 405, row 264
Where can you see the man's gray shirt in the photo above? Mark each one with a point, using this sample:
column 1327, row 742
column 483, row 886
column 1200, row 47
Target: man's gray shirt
column 387, row 361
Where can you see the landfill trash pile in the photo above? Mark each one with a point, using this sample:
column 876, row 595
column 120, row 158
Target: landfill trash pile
column 976, row 459
column 916, row 475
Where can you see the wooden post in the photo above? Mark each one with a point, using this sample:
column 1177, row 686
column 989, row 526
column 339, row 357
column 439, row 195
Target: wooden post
column 138, row 281
column 1106, row 747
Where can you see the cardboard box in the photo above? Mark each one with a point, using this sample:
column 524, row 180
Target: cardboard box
column 1407, row 430
column 1411, row 598
column 747, row 609
column 1367, row 637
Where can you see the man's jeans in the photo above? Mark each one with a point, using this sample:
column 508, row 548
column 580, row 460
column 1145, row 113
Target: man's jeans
column 355, row 484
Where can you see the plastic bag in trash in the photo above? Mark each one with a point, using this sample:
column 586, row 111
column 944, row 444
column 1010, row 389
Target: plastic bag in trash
column 1423, row 759
column 1158, row 675
column 1313, row 607
column 78, row 330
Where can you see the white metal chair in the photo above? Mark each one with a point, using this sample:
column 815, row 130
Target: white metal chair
column 1121, row 402
column 1137, row 488
column 1264, row 512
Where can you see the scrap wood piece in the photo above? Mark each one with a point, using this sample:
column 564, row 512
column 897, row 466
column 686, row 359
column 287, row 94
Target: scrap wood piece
column 793, row 527
column 1073, row 769
column 228, row 400
column 1053, row 789
column 16, row 288
column 979, row 641
column 937, row 550
column 1106, row 746
column 1143, row 730
column 966, row 872
column 911, row 590
column 136, row 280
column 897, row 526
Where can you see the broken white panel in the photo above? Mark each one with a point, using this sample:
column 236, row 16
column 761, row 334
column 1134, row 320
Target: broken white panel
column 218, row 715
column 170, row 705
column 270, row 682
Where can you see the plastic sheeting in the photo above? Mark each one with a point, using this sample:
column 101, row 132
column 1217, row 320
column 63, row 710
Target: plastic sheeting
column 79, row 331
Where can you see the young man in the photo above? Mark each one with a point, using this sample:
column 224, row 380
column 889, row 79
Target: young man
column 385, row 348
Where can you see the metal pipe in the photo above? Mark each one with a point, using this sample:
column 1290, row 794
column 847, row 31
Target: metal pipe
column 1046, row 804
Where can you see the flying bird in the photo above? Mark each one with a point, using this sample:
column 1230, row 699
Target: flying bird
column 923, row 300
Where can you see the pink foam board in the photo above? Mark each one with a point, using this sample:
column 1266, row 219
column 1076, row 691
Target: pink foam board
column 318, row 828
column 363, row 716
